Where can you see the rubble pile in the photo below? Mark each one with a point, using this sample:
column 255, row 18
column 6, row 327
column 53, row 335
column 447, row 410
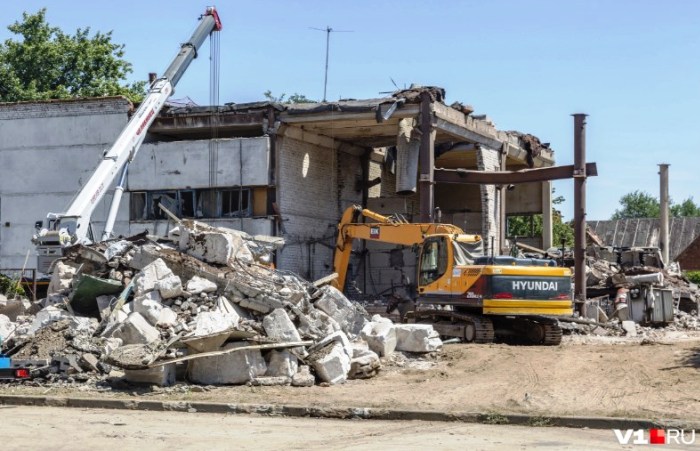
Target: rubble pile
column 630, row 292
column 205, row 305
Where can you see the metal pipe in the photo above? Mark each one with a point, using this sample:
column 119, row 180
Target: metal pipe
column 580, row 209
column 426, row 159
column 663, row 239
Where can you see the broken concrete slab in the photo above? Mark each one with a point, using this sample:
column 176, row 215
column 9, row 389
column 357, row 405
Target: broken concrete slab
column 364, row 364
column 149, row 306
column 208, row 323
column 281, row 363
column 350, row 316
column 269, row 381
column 380, row 335
column 331, row 362
column 61, row 278
column 161, row 376
column 6, row 327
column 277, row 325
column 214, row 245
column 135, row 330
column 89, row 362
column 157, row 276
column 419, row 338
column 236, row 367
column 303, row 378
column 198, row 285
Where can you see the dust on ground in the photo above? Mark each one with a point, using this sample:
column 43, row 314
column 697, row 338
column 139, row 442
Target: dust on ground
column 605, row 376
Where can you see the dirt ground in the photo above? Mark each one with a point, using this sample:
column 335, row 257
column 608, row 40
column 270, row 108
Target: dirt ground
column 589, row 376
column 77, row 429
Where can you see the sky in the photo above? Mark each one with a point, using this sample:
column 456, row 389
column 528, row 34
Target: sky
column 631, row 65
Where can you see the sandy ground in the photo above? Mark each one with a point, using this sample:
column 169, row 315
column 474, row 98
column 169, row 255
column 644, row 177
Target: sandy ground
column 602, row 377
column 76, row 429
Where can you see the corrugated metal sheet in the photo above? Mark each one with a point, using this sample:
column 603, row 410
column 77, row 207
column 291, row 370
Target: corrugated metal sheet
column 645, row 233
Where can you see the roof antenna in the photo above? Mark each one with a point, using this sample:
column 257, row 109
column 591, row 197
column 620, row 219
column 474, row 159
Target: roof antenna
column 328, row 31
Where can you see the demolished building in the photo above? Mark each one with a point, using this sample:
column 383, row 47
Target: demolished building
column 286, row 170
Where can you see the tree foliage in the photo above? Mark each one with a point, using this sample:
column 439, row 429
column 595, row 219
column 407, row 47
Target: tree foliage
column 294, row 98
column 46, row 63
column 640, row 204
column 531, row 225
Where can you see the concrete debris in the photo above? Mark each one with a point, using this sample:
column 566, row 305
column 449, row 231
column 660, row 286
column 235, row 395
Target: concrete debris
column 303, row 378
column 197, row 285
column 417, row 338
column 380, row 335
column 350, row 316
column 161, row 376
column 232, row 368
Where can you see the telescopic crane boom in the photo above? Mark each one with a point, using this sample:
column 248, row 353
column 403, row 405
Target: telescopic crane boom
column 73, row 226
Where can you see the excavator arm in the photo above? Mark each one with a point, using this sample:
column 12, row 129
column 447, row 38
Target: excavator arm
column 385, row 229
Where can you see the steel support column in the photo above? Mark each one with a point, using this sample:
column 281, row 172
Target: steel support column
column 426, row 159
column 580, row 209
column 664, row 201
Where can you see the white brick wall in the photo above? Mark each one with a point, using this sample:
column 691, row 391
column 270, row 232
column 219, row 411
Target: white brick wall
column 315, row 185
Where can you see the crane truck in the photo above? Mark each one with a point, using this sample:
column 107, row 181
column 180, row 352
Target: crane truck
column 61, row 230
column 462, row 293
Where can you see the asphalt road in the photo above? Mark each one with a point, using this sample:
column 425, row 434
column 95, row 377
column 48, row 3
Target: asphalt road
column 57, row 428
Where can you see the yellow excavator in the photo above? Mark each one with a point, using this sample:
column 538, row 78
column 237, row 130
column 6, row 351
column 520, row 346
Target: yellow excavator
column 463, row 293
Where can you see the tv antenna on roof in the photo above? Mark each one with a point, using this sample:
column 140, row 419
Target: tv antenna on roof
column 328, row 30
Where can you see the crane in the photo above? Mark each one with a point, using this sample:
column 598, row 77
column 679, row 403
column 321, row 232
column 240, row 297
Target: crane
column 73, row 227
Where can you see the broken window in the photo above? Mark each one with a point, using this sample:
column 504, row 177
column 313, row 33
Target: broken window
column 235, row 203
column 192, row 203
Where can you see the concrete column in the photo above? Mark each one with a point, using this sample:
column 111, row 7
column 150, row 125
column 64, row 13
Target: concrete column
column 663, row 239
column 547, row 235
column 426, row 180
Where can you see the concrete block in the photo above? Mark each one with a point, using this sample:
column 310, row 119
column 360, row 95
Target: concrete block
column 417, row 338
column 47, row 316
column 380, row 336
column 61, row 278
column 208, row 323
column 89, row 362
column 162, row 376
column 135, row 330
column 198, row 285
column 331, row 363
column 12, row 308
column 281, row 363
column 149, row 306
column 103, row 305
column 214, row 245
column 226, row 307
column 157, row 276
column 364, row 364
column 237, row 367
column 630, row 328
column 277, row 325
column 349, row 315
column 303, row 378
column 167, row 317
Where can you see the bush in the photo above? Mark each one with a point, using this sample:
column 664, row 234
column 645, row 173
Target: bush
column 9, row 287
column 693, row 276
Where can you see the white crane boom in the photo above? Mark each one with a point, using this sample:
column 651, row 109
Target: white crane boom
column 73, row 226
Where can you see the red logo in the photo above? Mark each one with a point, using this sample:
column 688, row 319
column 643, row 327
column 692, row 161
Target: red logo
column 657, row 436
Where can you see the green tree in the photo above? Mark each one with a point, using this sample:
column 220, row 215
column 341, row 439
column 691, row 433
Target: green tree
column 294, row 98
column 46, row 63
column 637, row 204
column 687, row 208
column 531, row 225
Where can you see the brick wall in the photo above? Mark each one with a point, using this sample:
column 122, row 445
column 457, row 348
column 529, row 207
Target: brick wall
column 314, row 185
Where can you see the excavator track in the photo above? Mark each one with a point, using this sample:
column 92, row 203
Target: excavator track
column 552, row 335
column 470, row 328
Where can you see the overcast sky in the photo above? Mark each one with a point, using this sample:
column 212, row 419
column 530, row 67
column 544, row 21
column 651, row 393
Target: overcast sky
column 633, row 66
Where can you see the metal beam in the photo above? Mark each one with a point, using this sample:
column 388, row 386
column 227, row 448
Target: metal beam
column 466, row 176
column 580, row 174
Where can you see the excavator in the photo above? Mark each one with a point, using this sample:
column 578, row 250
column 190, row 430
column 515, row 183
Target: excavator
column 461, row 292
